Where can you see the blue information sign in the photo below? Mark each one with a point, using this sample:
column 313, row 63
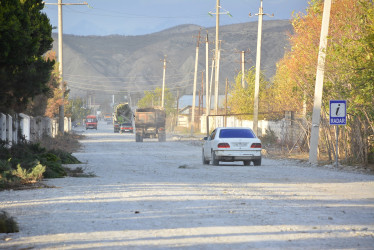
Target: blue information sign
column 338, row 112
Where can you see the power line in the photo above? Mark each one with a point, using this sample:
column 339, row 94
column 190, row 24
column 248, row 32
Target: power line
column 125, row 90
column 132, row 83
column 128, row 77
column 131, row 15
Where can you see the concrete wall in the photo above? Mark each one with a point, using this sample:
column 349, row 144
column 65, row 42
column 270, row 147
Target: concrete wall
column 13, row 128
column 24, row 126
column 288, row 130
column 2, row 127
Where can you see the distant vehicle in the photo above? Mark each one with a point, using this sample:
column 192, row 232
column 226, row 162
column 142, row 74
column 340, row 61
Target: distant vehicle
column 150, row 123
column 91, row 122
column 107, row 117
column 232, row 144
column 122, row 114
column 126, row 128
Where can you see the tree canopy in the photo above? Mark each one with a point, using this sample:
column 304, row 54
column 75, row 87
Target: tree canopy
column 153, row 98
column 241, row 100
column 25, row 36
column 349, row 68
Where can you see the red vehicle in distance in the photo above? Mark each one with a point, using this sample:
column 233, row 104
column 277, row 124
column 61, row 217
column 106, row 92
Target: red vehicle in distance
column 91, row 122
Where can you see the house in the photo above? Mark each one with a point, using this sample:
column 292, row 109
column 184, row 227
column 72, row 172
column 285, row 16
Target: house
column 185, row 110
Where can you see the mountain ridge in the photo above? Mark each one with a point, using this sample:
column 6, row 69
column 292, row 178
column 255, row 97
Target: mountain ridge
column 116, row 64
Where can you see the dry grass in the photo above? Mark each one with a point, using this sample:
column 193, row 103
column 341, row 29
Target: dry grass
column 323, row 159
column 67, row 142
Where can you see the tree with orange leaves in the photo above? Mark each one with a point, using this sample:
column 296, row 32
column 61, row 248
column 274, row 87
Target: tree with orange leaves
column 349, row 71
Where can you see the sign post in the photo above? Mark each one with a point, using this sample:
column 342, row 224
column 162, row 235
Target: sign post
column 338, row 116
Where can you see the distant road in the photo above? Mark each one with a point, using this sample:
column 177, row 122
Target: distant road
column 155, row 195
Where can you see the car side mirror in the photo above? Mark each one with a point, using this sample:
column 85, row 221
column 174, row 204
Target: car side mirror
column 205, row 138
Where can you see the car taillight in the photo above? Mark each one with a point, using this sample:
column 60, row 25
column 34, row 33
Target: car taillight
column 256, row 145
column 223, row 145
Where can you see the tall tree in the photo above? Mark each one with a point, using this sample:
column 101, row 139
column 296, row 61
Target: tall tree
column 25, row 35
column 349, row 71
column 241, row 99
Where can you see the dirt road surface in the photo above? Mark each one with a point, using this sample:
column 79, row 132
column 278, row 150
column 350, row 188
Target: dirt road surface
column 154, row 195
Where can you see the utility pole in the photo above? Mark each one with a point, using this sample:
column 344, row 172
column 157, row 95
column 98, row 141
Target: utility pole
column 61, row 112
column 61, row 107
column 216, row 91
column 217, row 60
column 242, row 63
column 202, row 92
column 314, row 137
column 243, row 84
column 258, row 66
column 206, row 73
column 226, row 90
column 218, row 7
column 176, row 123
column 201, row 95
column 209, row 99
column 163, row 83
column 194, row 85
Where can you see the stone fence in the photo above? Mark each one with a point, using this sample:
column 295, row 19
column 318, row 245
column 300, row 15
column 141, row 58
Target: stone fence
column 14, row 128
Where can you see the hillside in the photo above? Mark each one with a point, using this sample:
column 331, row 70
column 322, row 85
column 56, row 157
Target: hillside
column 107, row 65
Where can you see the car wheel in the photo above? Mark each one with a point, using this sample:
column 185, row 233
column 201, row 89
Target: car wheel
column 247, row 163
column 257, row 162
column 215, row 161
column 138, row 138
column 205, row 162
column 161, row 137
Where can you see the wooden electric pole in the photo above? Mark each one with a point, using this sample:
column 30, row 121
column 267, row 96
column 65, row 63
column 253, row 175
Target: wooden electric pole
column 258, row 68
column 226, row 90
column 61, row 107
column 206, row 73
column 194, row 84
column 163, row 83
column 314, row 136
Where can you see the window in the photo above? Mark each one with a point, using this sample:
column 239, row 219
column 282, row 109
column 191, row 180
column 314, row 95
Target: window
column 212, row 135
column 236, row 133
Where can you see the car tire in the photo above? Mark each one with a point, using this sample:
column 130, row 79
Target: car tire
column 247, row 163
column 138, row 138
column 205, row 162
column 257, row 162
column 161, row 137
column 215, row 161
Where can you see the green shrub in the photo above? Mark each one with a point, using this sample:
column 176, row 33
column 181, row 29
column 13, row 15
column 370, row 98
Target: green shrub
column 66, row 158
column 6, row 175
column 7, row 223
column 27, row 176
column 54, row 170
column 269, row 138
column 29, row 161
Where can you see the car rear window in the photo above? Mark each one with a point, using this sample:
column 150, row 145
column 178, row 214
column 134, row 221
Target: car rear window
column 236, row 133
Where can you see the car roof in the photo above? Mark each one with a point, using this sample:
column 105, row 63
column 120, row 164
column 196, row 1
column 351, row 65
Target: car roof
column 234, row 128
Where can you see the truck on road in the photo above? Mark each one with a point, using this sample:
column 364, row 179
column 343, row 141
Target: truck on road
column 150, row 123
column 122, row 114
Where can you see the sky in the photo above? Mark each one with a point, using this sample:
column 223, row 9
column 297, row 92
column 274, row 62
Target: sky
column 139, row 17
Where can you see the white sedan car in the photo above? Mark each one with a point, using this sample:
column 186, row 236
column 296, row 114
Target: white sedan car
column 232, row 144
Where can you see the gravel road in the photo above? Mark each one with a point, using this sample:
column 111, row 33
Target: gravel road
column 155, row 195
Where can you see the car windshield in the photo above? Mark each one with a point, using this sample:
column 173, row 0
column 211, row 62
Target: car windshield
column 236, row 133
column 126, row 124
